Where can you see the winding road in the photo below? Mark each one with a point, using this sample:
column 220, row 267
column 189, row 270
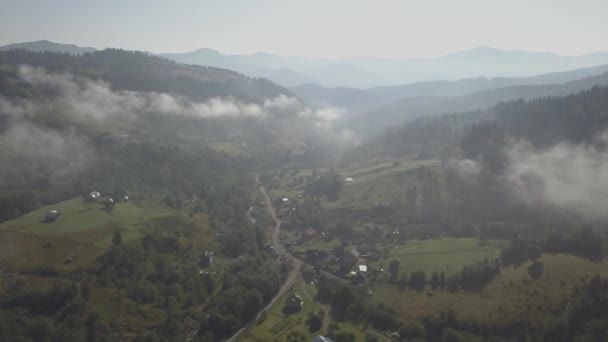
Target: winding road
column 295, row 263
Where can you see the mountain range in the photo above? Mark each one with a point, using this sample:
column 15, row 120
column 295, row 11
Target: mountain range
column 357, row 100
column 374, row 109
column 409, row 108
column 366, row 72
column 369, row 110
column 45, row 45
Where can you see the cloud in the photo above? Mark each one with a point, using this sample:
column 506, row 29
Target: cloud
column 572, row 177
column 58, row 153
column 32, row 151
column 96, row 99
column 466, row 168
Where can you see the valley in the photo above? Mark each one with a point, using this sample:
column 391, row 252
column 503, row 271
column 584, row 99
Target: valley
column 153, row 195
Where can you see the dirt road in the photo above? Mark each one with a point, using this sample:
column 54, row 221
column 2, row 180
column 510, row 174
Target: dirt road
column 295, row 263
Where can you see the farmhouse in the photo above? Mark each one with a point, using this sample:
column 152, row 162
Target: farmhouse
column 52, row 216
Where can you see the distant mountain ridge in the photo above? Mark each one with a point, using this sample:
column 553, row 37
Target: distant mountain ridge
column 256, row 67
column 45, row 45
column 358, row 101
column 410, row 108
column 366, row 72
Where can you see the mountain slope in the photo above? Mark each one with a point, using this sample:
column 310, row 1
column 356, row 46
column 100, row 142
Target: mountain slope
column 410, row 108
column 362, row 100
column 138, row 71
column 208, row 57
column 568, row 117
column 45, row 45
column 351, row 99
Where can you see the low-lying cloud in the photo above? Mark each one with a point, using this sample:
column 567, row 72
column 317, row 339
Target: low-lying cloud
column 568, row 176
column 32, row 152
column 58, row 153
column 96, row 98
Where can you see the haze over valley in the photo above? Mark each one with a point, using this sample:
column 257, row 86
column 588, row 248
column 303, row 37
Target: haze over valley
column 303, row 171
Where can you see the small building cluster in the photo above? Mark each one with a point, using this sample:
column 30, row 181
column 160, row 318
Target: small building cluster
column 94, row 195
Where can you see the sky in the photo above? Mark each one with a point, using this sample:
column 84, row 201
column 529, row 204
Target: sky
column 312, row 28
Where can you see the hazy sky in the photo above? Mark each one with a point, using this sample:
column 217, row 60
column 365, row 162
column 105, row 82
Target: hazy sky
column 326, row 28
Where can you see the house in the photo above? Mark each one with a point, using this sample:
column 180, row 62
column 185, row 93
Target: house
column 205, row 259
column 355, row 253
column 52, row 216
column 362, row 268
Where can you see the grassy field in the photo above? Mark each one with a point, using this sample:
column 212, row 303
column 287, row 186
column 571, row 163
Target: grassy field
column 86, row 232
column 230, row 148
column 83, row 231
column 446, row 254
column 377, row 182
column 317, row 244
column 28, row 245
column 287, row 183
column 513, row 295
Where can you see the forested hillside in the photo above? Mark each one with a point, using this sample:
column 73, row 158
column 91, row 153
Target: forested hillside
column 131, row 70
column 148, row 165
column 119, row 119
column 411, row 108
column 544, row 121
